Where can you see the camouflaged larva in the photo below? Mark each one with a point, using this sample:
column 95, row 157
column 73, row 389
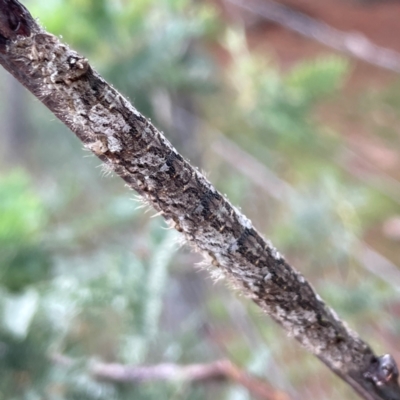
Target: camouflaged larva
column 133, row 148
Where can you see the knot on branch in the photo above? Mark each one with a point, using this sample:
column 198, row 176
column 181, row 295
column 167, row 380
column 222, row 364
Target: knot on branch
column 383, row 370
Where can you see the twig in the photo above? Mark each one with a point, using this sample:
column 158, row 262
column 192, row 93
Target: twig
column 375, row 177
column 354, row 44
column 133, row 148
column 160, row 372
column 217, row 370
column 378, row 264
column 256, row 172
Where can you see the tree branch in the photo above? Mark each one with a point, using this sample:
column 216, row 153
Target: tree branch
column 130, row 145
column 275, row 187
column 280, row 190
column 354, row 44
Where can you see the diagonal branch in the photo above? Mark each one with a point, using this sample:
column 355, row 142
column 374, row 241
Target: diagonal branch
column 130, row 145
column 261, row 176
column 354, row 44
column 278, row 189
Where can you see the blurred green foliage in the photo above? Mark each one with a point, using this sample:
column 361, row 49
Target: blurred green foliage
column 142, row 45
column 86, row 275
column 113, row 314
column 275, row 109
column 23, row 259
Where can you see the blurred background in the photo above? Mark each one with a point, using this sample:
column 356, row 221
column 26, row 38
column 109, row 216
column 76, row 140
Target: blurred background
column 292, row 109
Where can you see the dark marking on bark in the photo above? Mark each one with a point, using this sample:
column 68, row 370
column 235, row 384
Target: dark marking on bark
column 130, row 145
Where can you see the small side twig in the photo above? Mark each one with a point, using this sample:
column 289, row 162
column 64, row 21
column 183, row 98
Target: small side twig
column 218, row 370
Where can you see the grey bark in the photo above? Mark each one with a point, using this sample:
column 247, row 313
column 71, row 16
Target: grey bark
column 130, row 145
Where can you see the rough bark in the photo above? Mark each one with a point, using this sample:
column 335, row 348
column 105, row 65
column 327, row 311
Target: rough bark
column 130, row 145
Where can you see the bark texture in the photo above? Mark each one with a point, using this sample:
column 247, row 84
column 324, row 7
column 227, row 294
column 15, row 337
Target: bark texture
column 133, row 148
